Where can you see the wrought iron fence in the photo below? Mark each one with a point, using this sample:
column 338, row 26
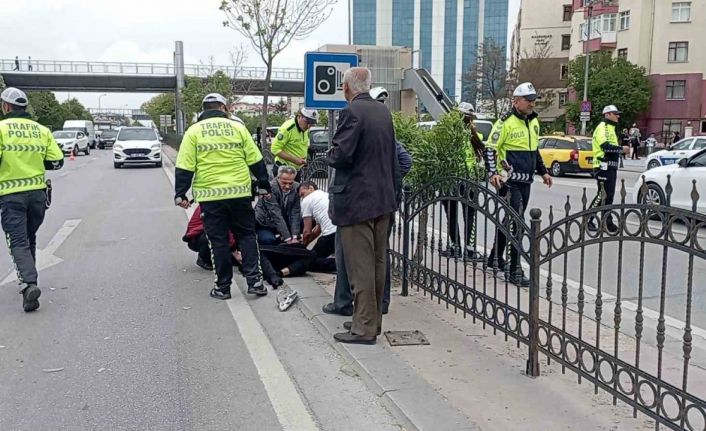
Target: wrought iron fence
column 444, row 243
column 318, row 171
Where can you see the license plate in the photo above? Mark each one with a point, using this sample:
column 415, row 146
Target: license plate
column 668, row 161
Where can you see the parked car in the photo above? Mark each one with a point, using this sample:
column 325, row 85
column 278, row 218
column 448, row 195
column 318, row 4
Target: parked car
column 566, row 154
column 681, row 176
column 318, row 141
column 107, row 138
column 137, row 145
column 72, row 142
column 84, row 126
column 685, row 148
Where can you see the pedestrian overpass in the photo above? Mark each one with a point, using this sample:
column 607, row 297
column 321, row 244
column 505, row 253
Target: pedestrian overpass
column 51, row 75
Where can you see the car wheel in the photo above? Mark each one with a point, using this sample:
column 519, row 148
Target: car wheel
column 653, row 196
column 117, row 165
column 653, row 164
column 74, row 152
column 88, row 150
column 555, row 170
column 158, row 164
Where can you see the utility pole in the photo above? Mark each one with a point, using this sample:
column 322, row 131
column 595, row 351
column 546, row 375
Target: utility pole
column 179, row 69
column 589, row 4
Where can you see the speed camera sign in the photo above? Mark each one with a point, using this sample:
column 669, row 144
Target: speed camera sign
column 323, row 79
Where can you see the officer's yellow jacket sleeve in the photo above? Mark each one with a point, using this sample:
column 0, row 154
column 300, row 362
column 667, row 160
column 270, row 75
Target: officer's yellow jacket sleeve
column 279, row 141
column 54, row 153
column 495, row 151
column 186, row 159
column 252, row 153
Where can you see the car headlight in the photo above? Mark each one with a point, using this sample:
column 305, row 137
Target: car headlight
column 156, row 146
column 118, row 147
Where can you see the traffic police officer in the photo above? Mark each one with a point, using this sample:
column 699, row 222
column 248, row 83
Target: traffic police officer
column 218, row 155
column 27, row 149
column 291, row 145
column 512, row 158
column 606, row 159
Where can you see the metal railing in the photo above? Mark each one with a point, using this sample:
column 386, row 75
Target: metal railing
column 160, row 69
column 444, row 244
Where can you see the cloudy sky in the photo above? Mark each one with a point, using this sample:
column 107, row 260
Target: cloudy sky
column 142, row 31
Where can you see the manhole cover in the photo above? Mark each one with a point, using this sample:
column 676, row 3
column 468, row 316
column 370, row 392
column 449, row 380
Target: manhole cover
column 406, row 338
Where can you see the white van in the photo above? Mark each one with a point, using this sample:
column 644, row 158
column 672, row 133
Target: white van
column 84, row 126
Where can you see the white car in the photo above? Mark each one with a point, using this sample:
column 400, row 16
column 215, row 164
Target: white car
column 682, row 174
column 72, row 142
column 136, row 146
column 687, row 147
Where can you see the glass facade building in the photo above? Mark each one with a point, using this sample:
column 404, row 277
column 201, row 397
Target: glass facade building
column 444, row 34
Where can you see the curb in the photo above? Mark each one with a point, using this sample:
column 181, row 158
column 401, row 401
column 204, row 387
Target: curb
column 410, row 398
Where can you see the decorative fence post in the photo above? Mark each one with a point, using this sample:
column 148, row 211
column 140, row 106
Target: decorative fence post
column 535, row 228
column 405, row 241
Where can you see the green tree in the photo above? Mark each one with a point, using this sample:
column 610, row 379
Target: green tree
column 161, row 104
column 612, row 81
column 488, row 79
column 72, row 109
column 47, row 109
column 281, row 107
column 323, row 118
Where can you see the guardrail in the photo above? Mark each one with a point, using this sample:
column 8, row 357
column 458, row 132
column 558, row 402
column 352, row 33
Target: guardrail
column 120, row 68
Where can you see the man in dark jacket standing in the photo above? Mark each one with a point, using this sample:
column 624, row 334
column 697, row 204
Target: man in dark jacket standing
column 363, row 190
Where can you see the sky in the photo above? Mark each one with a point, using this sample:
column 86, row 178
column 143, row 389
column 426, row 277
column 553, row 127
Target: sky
column 144, row 31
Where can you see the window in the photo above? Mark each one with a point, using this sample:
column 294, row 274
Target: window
column 565, row 145
column 564, row 73
column 564, row 99
column 583, row 32
column 681, row 11
column 623, row 53
column 700, row 144
column 684, row 144
column 568, row 11
column 678, row 52
column 676, row 90
column 669, row 127
column 703, row 127
column 625, row 20
column 550, row 143
column 565, row 42
column 585, row 145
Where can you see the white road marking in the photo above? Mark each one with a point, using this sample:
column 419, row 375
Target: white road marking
column 46, row 257
column 286, row 401
column 63, row 174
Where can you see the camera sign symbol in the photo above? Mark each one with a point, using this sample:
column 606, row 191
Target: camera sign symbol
column 323, row 79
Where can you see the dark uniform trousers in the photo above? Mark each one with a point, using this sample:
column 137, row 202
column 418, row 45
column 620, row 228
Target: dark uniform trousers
column 518, row 194
column 238, row 216
column 364, row 249
column 467, row 213
column 200, row 246
column 607, row 180
column 22, row 214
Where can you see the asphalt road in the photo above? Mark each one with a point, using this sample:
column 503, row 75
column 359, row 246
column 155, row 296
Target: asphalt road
column 127, row 338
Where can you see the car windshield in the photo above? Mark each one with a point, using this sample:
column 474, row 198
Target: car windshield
column 64, row 135
column 585, row 145
column 320, row 136
column 682, row 145
column 484, row 129
column 109, row 134
column 137, row 135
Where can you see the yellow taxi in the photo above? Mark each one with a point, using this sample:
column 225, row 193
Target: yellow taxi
column 564, row 154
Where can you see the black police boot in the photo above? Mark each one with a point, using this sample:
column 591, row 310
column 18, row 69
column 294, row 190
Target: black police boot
column 592, row 225
column 452, row 251
column 203, row 264
column 258, row 289
column 471, row 255
column 30, row 297
column 493, row 264
column 611, row 226
column 518, row 279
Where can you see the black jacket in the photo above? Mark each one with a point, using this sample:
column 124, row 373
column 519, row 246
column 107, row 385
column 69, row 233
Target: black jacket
column 364, row 156
column 281, row 213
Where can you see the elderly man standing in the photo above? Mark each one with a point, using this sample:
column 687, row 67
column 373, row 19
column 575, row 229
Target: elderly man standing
column 363, row 191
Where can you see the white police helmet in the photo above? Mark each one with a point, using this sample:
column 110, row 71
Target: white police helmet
column 14, row 96
column 466, row 108
column 215, row 97
column 611, row 108
column 379, row 93
column 311, row 115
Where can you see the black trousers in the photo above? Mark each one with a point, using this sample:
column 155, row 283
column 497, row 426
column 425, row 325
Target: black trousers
column 518, row 194
column 607, row 181
column 467, row 213
column 22, row 213
column 325, row 246
column 238, row 216
column 200, row 246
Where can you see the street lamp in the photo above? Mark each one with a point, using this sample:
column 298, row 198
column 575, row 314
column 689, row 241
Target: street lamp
column 99, row 102
column 589, row 5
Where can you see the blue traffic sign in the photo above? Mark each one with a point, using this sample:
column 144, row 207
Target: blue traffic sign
column 323, row 79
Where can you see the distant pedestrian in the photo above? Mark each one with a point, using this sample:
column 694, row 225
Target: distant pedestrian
column 635, row 138
column 677, row 138
column 363, row 189
column 29, row 64
column 624, row 142
column 17, row 63
column 650, row 143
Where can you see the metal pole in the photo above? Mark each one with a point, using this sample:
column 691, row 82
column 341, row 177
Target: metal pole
column 405, row 243
column 179, row 69
column 350, row 23
column 587, row 63
column 535, row 228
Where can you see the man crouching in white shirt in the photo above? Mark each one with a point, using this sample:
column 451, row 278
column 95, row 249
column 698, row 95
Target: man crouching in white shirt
column 314, row 207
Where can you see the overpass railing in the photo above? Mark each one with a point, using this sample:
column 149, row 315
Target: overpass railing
column 119, row 68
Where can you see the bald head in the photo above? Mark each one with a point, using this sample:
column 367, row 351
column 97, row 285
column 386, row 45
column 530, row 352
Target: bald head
column 356, row 80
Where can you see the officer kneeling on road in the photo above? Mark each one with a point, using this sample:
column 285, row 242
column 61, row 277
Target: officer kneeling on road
column 606, row 158
column 27, row 149
column 291, row 145
column 218, row 155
